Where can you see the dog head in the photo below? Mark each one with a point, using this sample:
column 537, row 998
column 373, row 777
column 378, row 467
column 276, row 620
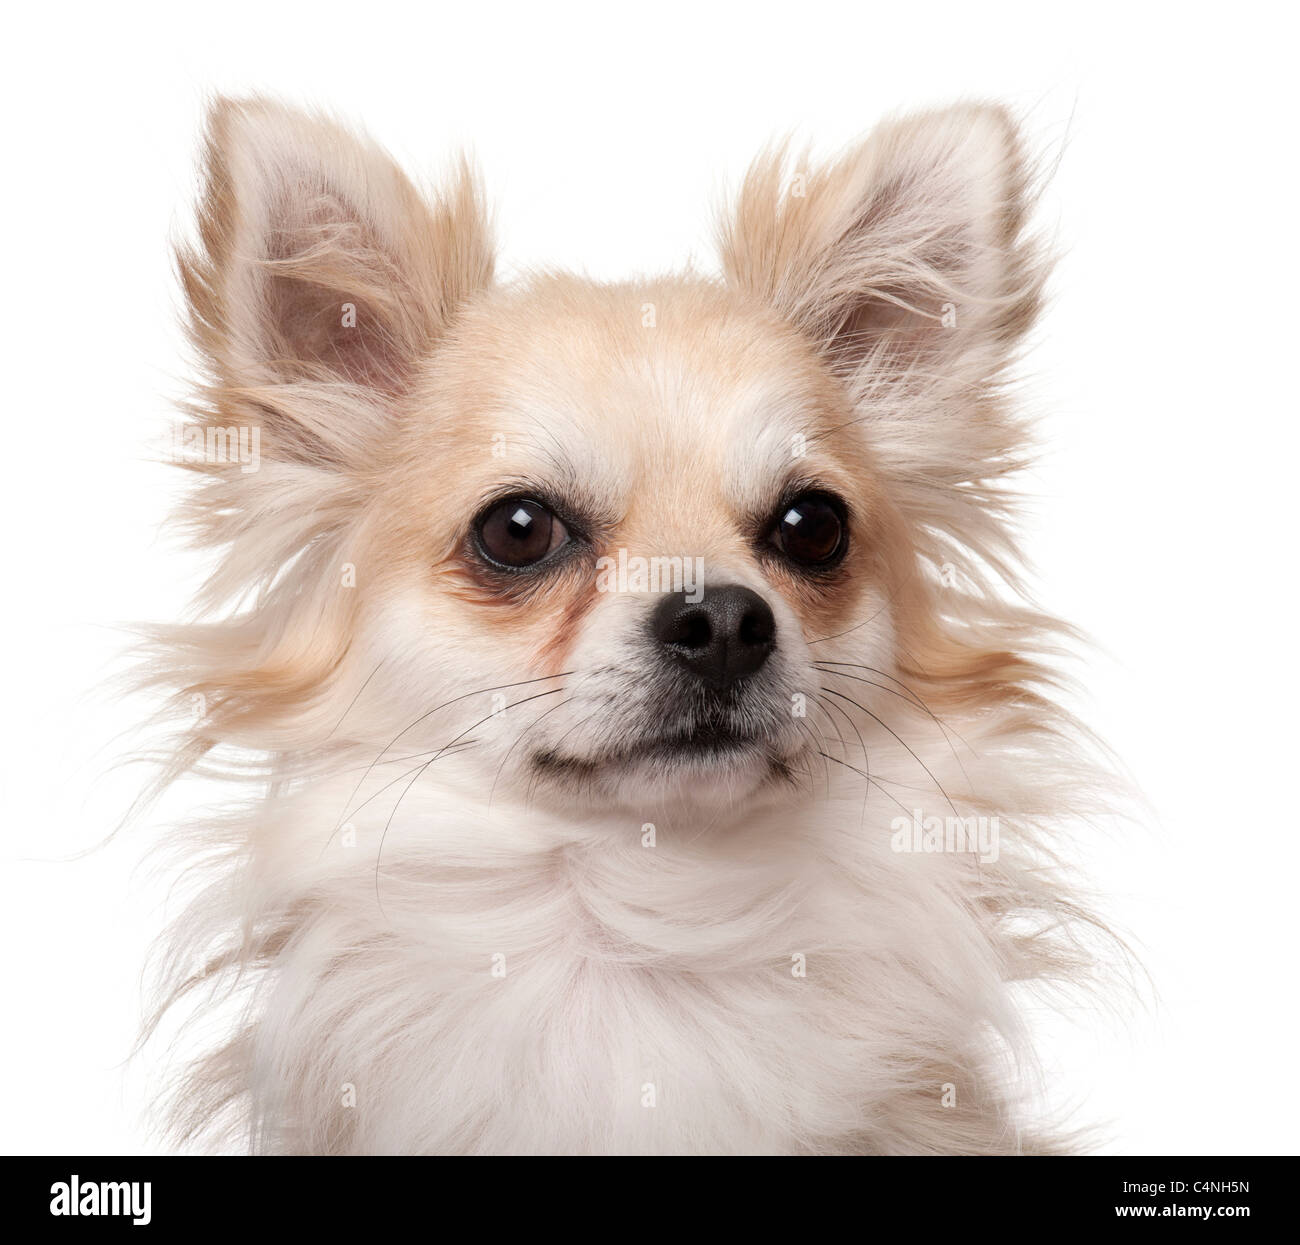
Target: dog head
column 601, row 539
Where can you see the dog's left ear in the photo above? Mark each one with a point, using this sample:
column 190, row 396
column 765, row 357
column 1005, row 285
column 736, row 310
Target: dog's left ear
column 902, row 258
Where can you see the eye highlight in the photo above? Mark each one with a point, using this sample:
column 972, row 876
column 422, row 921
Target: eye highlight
column 811, row 530
column 519, row 532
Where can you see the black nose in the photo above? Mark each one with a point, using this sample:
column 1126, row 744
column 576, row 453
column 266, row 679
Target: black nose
column 720, row 639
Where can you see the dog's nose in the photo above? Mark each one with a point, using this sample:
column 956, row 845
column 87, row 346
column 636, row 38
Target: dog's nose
column 719, row 639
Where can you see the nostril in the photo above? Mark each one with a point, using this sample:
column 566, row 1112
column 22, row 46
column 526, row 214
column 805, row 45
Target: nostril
column 757, row 627
column 697, row 632
column 690, row 629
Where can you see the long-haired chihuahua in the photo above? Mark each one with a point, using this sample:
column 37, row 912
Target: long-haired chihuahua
column 644, row 743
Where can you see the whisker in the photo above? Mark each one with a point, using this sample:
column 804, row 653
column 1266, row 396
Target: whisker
column 424, row 716
column 831, row 691
column 816, row 745
column 889, row 600
column 830, row 704
column 912, row 698
column 406, row 790
column 450, row 750
column 871, row 782
column 353, row 703
column 838, row 733
column 536, row 779
column 857, row 665
column 410, row 756
column 515, row 744
column 866, row 756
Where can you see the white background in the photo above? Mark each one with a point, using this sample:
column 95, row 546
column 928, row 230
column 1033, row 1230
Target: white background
column 1163, row 521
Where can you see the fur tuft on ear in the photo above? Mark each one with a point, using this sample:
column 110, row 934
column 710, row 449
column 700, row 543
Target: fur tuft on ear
column 904, row 252
column 320, row 266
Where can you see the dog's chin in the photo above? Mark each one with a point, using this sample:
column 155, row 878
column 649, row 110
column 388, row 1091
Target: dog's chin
column 699, row 769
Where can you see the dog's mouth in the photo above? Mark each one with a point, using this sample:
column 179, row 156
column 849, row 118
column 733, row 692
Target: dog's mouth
column 741, row 735
column 710, row 739
column 705, row 745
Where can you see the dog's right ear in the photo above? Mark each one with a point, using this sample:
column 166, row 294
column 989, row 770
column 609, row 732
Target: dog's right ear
column 321, row 277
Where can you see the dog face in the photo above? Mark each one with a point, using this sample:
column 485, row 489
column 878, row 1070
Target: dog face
column 633, row 505
column 599, row 541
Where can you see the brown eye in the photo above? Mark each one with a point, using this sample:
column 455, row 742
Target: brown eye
column 811, row 530
column 519, row 532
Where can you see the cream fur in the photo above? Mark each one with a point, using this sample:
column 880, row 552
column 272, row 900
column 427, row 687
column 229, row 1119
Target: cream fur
column 396, row 841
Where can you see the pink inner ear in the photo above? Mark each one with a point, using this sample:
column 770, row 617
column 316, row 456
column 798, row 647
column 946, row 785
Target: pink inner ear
column 323, row 330
column 330, row 297
column 907, row 270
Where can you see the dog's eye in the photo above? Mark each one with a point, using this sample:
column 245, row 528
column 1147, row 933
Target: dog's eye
column 519, row 532
column 811, row 530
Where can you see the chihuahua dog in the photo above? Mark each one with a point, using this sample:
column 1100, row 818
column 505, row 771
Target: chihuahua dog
column 643, row 743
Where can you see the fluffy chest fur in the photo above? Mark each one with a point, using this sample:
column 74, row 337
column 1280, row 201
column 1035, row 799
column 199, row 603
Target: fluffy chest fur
column 810, row 977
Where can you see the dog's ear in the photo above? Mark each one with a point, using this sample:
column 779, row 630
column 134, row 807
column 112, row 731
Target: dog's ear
column 901, row 257
column 321, row 276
